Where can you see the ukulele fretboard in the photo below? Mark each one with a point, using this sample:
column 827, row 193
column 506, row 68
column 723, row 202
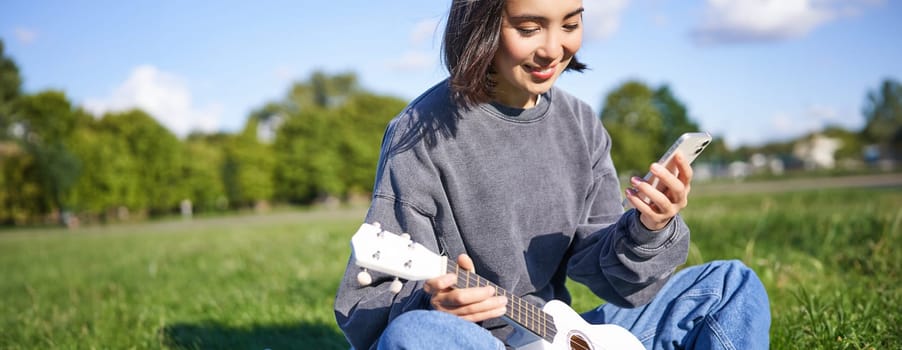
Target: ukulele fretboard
column 519, row 310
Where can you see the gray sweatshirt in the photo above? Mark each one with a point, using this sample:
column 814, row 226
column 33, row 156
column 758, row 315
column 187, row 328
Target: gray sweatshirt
column 530, row 194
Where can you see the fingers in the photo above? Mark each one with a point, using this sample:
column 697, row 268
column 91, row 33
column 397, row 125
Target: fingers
column 466, row 263
column 674, row 181
column 492, row 309
column 670, row 196
column 472, row 304
column 447, row 281
column 466, row 296
column 659, row 208
column 672, row 189
column 441, row 283
column 684, row 169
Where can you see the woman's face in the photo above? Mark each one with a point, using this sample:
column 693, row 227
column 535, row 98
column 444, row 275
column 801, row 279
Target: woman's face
column 538, row 40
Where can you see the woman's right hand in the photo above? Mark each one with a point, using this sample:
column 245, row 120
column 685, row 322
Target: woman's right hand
column 472, row 304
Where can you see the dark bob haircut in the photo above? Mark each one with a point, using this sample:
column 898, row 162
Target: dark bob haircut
column 472, row 36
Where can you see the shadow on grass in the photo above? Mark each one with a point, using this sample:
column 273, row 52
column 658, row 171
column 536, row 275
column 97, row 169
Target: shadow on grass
column 214, row 335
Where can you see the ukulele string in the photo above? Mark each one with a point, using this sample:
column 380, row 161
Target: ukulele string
column 542, row 320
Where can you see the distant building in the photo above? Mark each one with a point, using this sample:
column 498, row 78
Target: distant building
column 739, row 169
column 817, row 151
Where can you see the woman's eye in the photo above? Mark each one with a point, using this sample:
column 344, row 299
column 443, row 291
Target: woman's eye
column 571, row 27
column 527, row 30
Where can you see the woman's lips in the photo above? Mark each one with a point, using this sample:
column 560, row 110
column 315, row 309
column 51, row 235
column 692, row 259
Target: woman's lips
column 541, row 73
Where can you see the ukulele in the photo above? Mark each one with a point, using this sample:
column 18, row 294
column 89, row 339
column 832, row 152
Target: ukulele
column 554, row 326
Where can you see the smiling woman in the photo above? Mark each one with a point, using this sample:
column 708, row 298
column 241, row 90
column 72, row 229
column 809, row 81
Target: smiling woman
column 501, row 44
column 512, row 177
column 535, row 49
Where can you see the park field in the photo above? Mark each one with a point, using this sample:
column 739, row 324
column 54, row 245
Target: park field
column 267, row 281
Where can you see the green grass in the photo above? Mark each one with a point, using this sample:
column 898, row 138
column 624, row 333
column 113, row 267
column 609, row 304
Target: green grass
column 268, row 281
column 241, row 283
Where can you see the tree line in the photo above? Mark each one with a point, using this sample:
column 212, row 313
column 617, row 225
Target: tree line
column 319, row 142
column 58, row 161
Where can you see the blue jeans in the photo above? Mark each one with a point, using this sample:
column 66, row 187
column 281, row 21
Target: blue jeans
column 718, row 305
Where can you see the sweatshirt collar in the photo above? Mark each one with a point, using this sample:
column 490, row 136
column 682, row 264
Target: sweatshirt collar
column 521, row 115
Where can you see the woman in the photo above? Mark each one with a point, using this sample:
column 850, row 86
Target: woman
column 513, row 176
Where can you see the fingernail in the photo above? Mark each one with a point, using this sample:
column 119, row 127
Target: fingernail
column 635, row 180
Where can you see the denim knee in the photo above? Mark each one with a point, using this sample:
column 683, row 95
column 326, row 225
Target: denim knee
column 734, row 274
column 424, row 329
column 730, row 269
column 745, row 304
column 734, row 264
column 398, row 331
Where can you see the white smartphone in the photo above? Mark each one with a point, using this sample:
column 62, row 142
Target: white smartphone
column 690, row 144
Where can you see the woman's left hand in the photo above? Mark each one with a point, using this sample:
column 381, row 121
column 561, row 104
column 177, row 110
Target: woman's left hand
column 668, row 199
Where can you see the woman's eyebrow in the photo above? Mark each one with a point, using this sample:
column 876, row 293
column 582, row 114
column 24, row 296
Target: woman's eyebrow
column 574, row 13
column 538, row 18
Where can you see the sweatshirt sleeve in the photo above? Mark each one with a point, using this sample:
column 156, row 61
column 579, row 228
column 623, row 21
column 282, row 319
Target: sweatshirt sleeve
column 363, row 312
column 613, row 254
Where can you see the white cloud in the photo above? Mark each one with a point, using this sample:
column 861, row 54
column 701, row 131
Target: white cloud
column 760, row 20
column 25, row 35
column 602, row 18
column 413, row 60
column 786, row 124
column 424, row 31
column 822, row 112
column 285, row 74
column 736, row 21
column 163, row 95
column 813, row 118
column 825, row 116
column 422, row 52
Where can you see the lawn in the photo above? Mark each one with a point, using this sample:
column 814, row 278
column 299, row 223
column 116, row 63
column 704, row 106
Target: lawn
column 268, row 281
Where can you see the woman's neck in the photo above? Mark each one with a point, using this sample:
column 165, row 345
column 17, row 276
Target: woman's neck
column 525, row 101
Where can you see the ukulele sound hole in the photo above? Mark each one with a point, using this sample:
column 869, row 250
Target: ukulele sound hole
column 578, row 341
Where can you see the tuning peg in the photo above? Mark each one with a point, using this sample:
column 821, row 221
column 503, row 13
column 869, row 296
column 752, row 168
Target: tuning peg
column 364, row 278
column 395, row 286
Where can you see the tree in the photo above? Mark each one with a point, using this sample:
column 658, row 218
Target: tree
column 157, row 157
column 307, row 157
column 322, row 91
column 248, row 167
column 110, row 180
column 635, row 125
column 10, row 90
column 48, row 121
column 362, row 121
column 643, row 122
column 21, row 195
column 202, row 173
column 328, row 144
column 883, row 117
column 674, row 115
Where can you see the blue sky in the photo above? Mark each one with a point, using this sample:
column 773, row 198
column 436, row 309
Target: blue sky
column 751, row 71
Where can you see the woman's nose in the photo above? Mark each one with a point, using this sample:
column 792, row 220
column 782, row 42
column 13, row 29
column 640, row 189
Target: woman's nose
column 550, row 48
